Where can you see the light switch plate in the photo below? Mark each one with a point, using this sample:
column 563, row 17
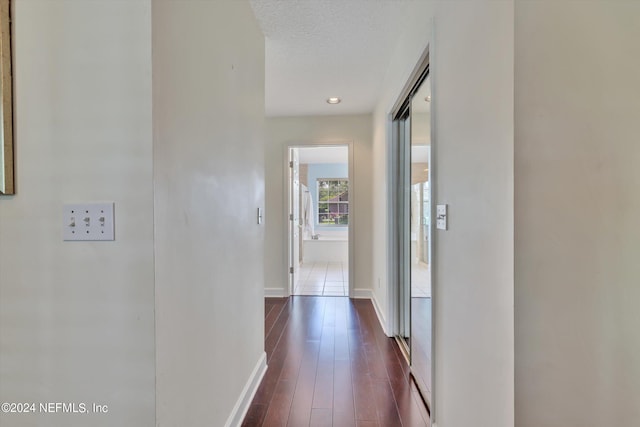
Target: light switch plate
column 88, row 221
column 441, row 217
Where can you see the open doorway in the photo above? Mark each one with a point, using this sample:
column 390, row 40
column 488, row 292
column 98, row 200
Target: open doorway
column 320, row 217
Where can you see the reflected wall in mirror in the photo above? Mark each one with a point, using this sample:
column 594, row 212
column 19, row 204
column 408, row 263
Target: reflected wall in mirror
column 6, row 104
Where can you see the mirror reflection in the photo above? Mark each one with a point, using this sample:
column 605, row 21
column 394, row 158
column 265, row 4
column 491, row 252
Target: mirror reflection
column 420, row 237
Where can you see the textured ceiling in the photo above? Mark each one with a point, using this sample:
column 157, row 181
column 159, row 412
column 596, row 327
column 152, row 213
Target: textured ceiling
column 316, row 49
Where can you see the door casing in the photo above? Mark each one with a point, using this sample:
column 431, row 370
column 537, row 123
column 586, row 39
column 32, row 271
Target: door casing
column 353, row 292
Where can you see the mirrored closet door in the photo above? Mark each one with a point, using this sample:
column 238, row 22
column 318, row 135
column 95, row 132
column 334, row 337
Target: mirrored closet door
column 412, row 214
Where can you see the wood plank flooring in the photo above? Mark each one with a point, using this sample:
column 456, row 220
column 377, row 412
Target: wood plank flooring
column 330, row 364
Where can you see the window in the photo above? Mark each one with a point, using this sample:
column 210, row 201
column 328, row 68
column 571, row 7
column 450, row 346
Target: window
column 333, row 201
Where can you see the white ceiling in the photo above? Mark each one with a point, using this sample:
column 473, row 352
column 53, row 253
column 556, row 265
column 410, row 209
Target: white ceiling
column 338, row 154
column 316, row 49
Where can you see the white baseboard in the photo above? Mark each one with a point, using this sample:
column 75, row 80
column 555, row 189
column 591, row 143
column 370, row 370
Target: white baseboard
column 362, row 294
column 275, row 293
column 379, row 313
column 368, row 294
column 248, row 392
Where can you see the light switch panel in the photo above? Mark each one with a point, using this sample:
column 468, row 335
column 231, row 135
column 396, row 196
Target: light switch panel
column 88, row 221
column 441, row 217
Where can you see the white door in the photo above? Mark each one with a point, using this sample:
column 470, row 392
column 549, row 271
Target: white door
column 294, row 219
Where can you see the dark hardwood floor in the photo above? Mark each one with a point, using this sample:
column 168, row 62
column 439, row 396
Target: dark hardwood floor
column 330, row 364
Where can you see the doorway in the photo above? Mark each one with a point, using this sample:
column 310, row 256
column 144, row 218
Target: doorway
column 320, row 220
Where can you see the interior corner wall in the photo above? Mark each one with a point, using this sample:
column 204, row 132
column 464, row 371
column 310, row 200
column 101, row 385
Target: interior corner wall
column 577, row 116
column 77, row 318
column 282, row 131
column 208, row 142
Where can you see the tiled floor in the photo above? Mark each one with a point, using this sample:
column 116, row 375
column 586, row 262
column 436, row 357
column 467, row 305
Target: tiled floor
column 420, row 280
column 323, row 278
column 332, row 279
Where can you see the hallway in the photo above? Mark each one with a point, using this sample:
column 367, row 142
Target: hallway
column 330, row 364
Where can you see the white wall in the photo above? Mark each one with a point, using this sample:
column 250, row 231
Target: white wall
column 282, row 131
column 77, row 318
column 209, row 181
column 577, row 207
column 416, row 36
column 472, row 72
column 473, row 261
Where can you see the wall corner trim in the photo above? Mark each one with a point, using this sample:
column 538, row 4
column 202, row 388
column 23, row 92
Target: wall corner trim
column 248, row 392
column 275, row 293
column 368, row 294
column 362, row 294
column 380, row 314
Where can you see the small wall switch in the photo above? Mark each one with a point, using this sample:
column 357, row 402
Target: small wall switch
column 441, row 217
column 88, row 221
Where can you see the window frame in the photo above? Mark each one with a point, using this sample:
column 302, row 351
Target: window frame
column 340, row 202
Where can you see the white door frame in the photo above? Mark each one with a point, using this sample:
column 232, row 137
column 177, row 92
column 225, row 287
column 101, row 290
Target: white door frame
column 352, row 208
column 294, row 224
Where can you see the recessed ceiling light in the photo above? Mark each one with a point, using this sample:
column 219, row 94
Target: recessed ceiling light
column 334, row 100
